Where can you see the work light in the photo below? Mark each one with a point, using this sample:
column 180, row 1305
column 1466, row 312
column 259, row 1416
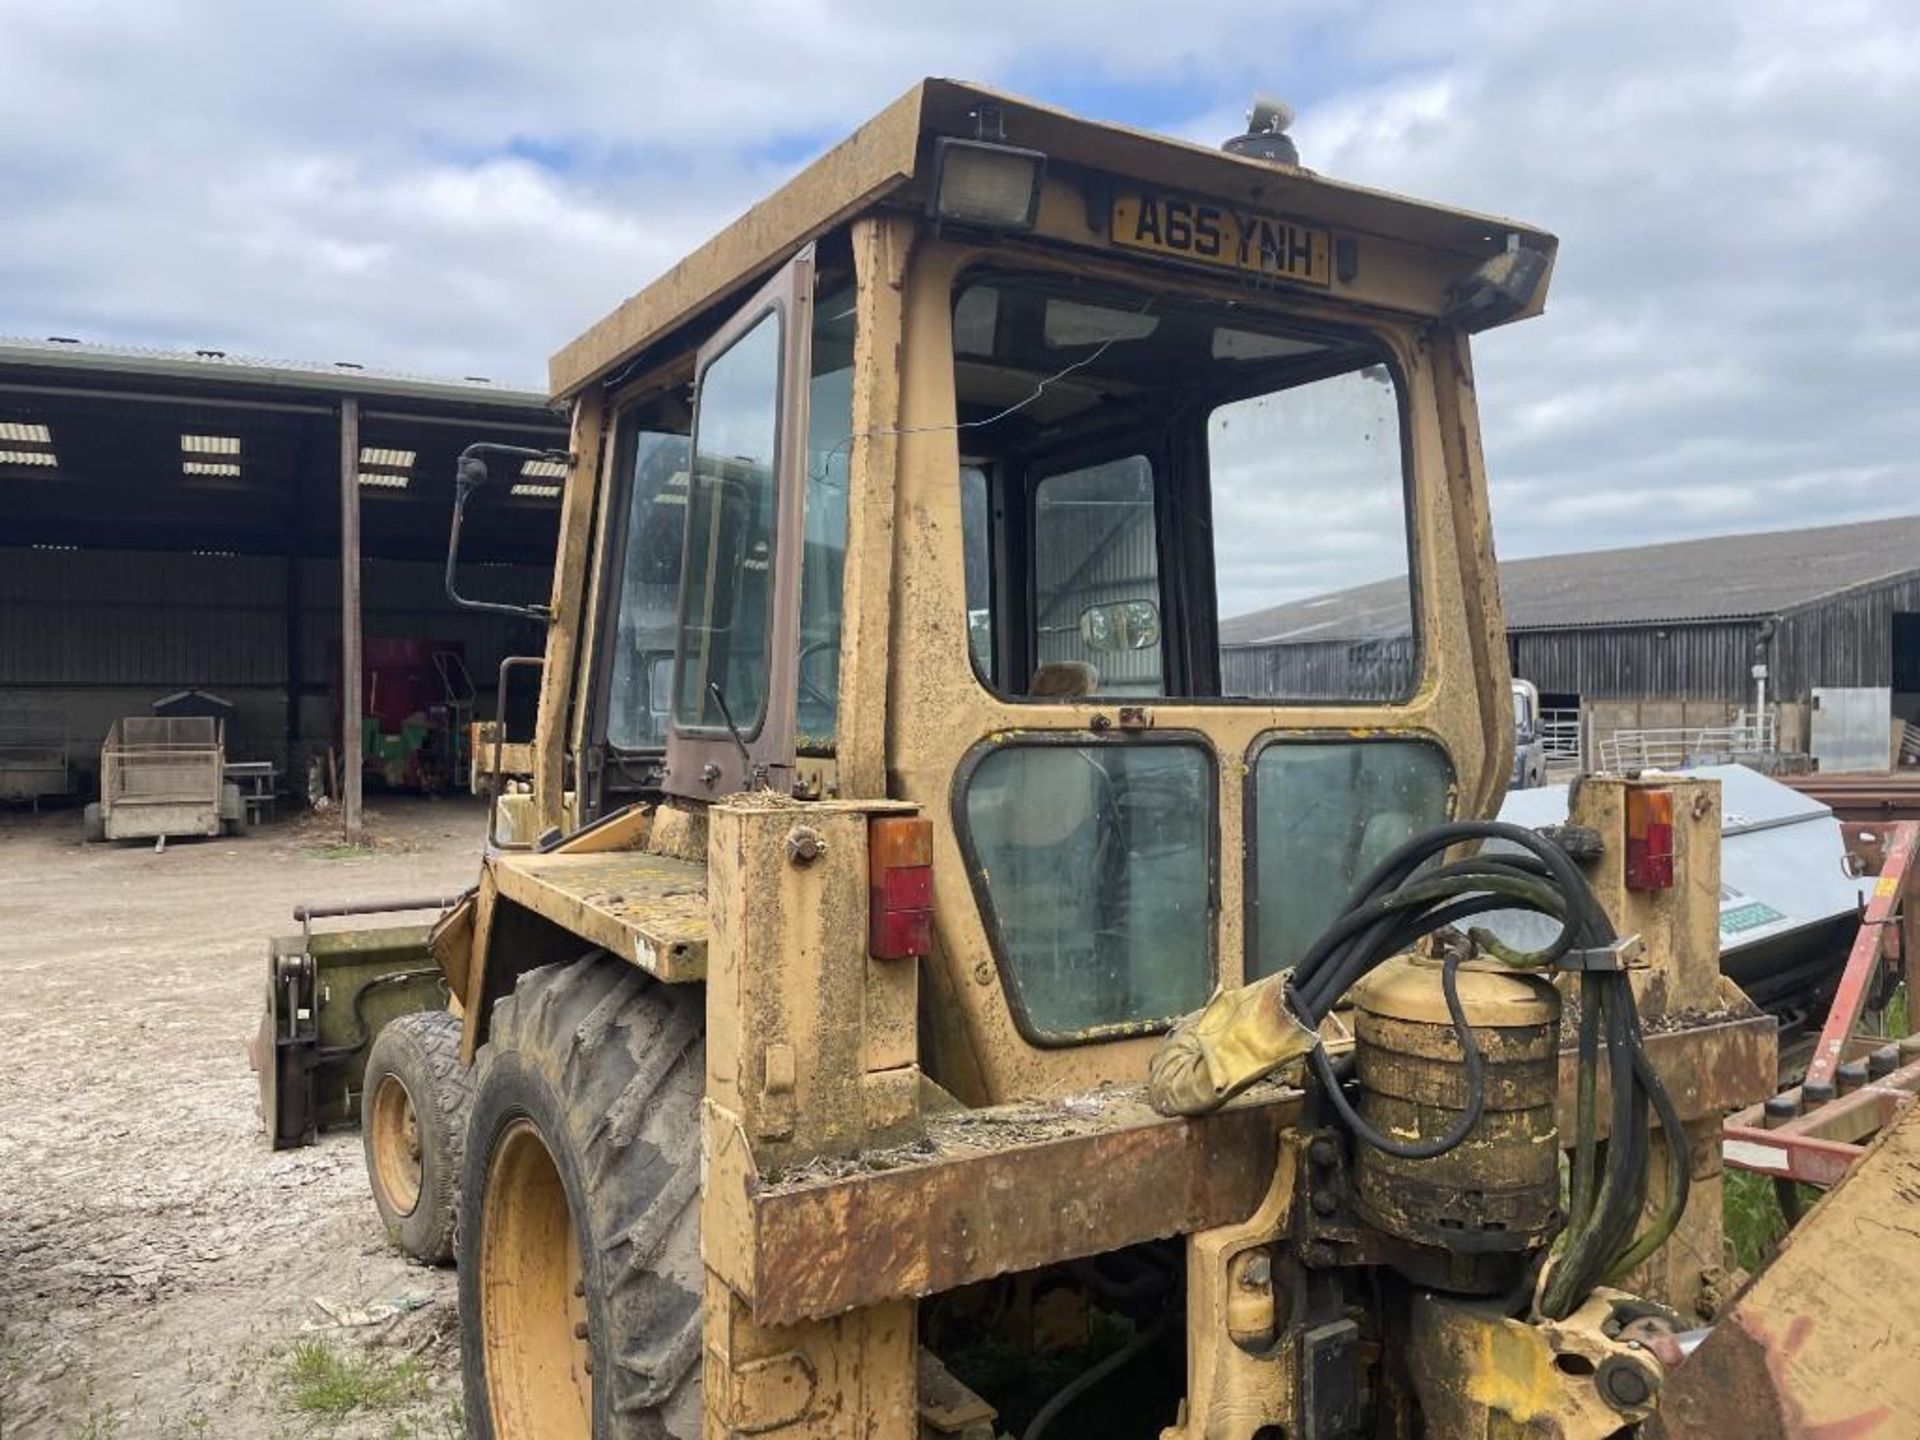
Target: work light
column 992, row 187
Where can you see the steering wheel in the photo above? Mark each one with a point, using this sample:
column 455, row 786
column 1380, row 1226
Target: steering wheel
column 812, row 691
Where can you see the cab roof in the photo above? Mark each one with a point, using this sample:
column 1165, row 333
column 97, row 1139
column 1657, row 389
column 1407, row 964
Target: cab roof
column 885, row 155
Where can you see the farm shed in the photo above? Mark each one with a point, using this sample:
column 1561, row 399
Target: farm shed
column 174, row 521
column 1651, row 636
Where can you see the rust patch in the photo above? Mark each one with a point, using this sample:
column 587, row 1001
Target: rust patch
column 925, row 1218
column 1741, row 1382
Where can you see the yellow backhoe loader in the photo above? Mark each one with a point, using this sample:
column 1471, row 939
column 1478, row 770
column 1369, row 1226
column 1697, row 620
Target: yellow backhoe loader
column 950, row 970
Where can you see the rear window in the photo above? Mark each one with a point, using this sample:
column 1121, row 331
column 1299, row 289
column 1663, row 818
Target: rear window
column 1094, row 866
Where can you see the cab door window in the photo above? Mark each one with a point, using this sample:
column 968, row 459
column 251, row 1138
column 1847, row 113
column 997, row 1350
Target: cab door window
column 732, row 726
column 732, row 522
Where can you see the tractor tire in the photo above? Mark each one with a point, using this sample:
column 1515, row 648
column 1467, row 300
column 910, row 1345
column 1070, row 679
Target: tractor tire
column 580, row 1273
column 413, row 1126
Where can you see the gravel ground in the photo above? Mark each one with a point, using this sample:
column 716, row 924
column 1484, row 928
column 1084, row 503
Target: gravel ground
column 161, row 1271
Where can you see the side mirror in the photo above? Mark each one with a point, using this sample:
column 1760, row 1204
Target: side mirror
column 1120, row 625
column 470, row 473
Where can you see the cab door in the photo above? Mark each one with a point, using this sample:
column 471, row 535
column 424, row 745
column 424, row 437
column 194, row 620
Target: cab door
column 731, row 726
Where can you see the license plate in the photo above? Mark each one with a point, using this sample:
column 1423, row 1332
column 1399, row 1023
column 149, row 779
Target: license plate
column 1223, row 236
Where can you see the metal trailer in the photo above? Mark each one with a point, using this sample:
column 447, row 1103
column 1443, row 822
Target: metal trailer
column 163, row 775
column 33, row 753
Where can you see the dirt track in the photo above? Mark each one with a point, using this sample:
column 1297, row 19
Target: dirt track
column 159, row 1267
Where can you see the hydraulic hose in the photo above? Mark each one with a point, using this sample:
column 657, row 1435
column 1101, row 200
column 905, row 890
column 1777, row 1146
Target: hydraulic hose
column 1415, row 892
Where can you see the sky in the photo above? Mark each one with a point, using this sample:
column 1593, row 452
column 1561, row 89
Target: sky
column 458, row 187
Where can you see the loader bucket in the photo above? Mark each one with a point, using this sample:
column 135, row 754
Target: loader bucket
column 327, row 996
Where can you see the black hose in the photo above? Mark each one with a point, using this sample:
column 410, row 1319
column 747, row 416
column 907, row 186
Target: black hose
column 1080, row 1384
column 1414, row 892
column 362, row 1032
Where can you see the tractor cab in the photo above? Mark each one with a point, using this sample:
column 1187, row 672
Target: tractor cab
column 1115, row 500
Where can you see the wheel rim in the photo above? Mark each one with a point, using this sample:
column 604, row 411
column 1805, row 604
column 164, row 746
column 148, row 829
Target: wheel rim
column 539, row 1362
column 396, row 1145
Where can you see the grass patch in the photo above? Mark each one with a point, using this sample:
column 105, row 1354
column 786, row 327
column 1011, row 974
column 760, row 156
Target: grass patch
column 1751, row 1214
column 321, row 1380
column 449, row 1423
column 340, row 850
column 101, row 1422
column 1893, row 1020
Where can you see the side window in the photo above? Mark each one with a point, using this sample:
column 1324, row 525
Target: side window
column 824, row 561
column 1096, row 582
column 639, row 695
column 1310, row 540
column 732, row 516
column 976, row 538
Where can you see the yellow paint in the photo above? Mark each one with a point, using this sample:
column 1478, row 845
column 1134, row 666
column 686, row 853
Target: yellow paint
column 1511, row 1372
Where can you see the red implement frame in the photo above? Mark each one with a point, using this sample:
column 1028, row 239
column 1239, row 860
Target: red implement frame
column 1816, row 1140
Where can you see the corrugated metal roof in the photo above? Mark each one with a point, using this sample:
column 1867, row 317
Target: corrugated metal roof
column 339, row 377
column 1723, row 577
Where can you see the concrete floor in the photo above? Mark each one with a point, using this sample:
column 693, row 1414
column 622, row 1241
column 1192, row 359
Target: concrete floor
column 159, row 1266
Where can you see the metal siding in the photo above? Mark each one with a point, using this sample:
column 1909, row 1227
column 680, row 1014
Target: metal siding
column 95, row 619
column 1843, row 642
column 1364, row 670
column 1669, row 662
column 133, row 619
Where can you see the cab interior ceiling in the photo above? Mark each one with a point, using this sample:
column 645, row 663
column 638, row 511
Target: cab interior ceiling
column 1045, row 361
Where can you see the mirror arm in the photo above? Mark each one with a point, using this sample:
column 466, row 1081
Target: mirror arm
column 470, row 474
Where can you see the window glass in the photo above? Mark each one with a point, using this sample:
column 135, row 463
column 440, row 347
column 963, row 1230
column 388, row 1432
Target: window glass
column 1310, row 541
column 824, row 560
column 1096, row 582
column 1096, row 863
column 1277, row 488
column 649, row 593
column 731, row 517
column 976, row 531
column 1324, row 815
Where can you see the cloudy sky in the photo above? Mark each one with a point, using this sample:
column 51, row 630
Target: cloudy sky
column 458, row 186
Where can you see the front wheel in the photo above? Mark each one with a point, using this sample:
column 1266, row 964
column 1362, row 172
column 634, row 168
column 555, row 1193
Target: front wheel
column 580, row 1274
column 413, row 1120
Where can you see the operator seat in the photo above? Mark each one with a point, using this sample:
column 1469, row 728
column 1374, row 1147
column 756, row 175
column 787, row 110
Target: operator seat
column 1064, row 680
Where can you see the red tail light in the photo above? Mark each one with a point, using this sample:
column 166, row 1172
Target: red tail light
column 1649, row 839
column 900, row 888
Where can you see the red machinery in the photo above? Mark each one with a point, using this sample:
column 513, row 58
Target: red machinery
column 1855, row 1082
column 417, row 702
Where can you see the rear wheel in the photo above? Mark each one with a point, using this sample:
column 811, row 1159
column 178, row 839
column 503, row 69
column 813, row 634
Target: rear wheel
column 413, row 1123
column 580, row 1272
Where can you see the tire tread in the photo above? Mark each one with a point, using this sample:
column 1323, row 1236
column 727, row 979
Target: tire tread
column 625, row 1058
